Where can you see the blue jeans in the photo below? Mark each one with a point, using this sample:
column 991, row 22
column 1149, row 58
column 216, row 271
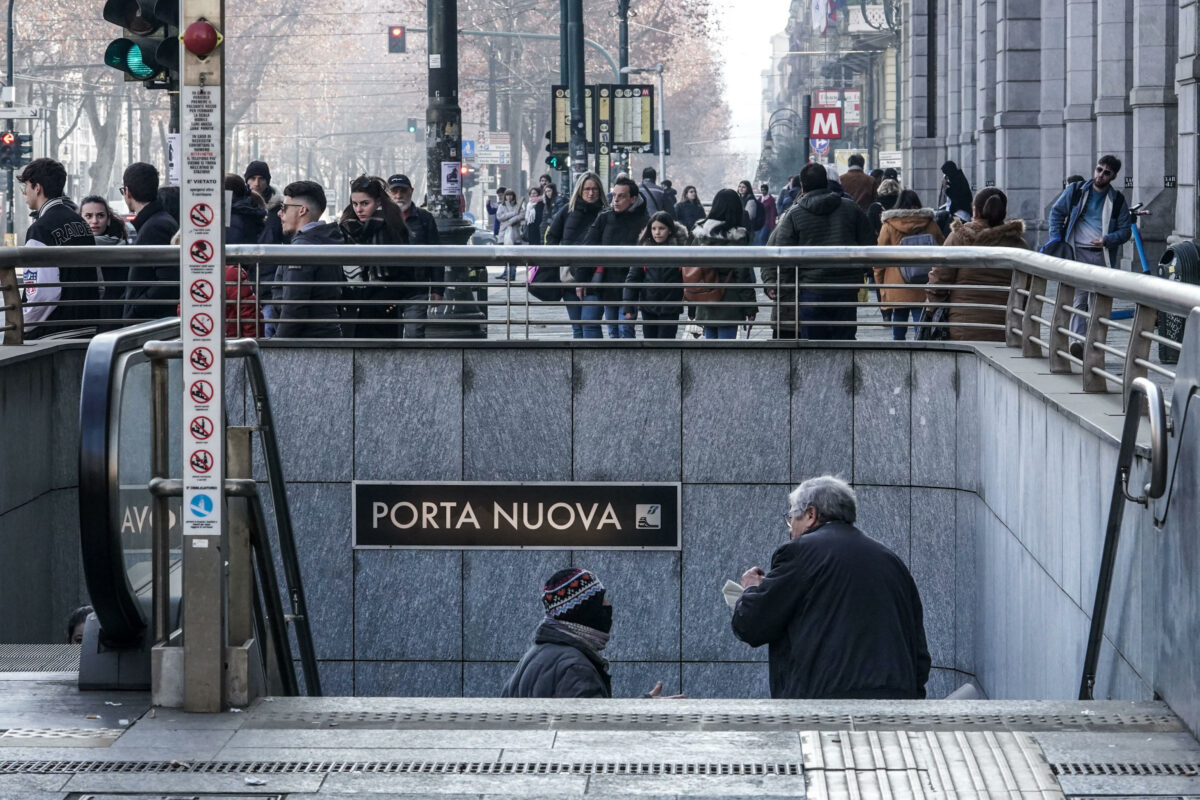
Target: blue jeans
column 811, row 317
column 592, row 312
column 720, row 331
column 903, row 314
column 574, row 312
column 627, row 330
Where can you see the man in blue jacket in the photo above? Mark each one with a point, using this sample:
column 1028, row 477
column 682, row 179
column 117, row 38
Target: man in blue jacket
column 300, row 314
column 1093, row 219
column 839, row 611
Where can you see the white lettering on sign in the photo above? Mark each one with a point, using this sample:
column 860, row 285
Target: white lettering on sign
column 202, row 273
column 451, row 516
column 826, row 123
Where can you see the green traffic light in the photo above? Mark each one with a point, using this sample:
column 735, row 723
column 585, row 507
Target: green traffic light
column 127, row 57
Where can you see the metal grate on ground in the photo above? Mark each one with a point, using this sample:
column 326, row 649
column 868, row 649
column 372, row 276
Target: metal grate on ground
column 1146, row 770
column 39, row 657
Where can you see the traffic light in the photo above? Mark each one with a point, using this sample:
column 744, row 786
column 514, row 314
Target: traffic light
column 148, row 49
column 24, row 148
column 8, row 147
column 412, row 124
column 556, row 159
column 470, row 175
column 396, row 39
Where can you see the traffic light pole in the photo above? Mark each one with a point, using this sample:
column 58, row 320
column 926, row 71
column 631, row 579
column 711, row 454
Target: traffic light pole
column 576, row 84
column 11, row 189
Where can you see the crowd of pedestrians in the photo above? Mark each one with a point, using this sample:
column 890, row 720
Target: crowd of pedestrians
column 818, row 207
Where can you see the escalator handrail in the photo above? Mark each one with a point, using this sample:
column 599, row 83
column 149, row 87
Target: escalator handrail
column 122, row 620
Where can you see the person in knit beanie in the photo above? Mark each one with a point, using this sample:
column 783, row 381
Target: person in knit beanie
column 565, row 659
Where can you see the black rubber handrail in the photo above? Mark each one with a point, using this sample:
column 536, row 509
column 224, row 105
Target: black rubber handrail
column 122, row 620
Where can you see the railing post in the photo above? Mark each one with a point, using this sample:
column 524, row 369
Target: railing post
column 1093, row 357
column 1144, row 319
column 10, row 296
column 1060, row 320
column 1019, row 281
column 1029, row 326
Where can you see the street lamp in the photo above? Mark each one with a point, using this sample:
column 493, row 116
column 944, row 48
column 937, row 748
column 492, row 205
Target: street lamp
column 657, row 69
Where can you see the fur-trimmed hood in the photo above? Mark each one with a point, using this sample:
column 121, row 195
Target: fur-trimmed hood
column 923, row 213
column 976, row 233
column 705, row 234
column 679, row 237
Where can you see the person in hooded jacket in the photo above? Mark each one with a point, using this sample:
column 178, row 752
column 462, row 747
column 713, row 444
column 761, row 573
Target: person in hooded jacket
column 566, row 657
column 258, row 179
column 908, row 218
column 307, row 310
column 109, row 230
column 618, row 226
column 956, row 194
column 689, row 210
column 247, row 213
column 372, row 217
column 819, row 218
column 663, row 230
column 570, row 227
column 988, row 228
column 723, row 228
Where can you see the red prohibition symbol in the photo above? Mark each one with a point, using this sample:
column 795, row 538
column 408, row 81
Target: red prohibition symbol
column 201, row 358
column 202, row 251
column 201, row 324
column 201, row 291
column 201, row 391
column 201, row 215
column 201, row 461
column 201, row 427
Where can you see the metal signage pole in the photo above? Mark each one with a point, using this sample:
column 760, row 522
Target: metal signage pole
column 202, row 293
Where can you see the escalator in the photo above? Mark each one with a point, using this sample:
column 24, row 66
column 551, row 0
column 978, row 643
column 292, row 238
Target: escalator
column 131, row 536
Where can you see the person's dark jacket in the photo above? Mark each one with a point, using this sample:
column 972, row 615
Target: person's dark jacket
column 671, row 296
column 787, row 197
column 535, row 232
column 246, row 222
column 558, row 666
column 613, row 230
column 689, row 212
column 671, row 198
column 654, row 198
column 571, row 226
column 155, row 226
column 272, row 232
column 819, row 218
column 423, row 229
column 297, row 318
column 842, row 617
column 58, row 224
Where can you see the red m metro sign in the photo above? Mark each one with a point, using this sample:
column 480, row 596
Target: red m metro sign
column 825, row 123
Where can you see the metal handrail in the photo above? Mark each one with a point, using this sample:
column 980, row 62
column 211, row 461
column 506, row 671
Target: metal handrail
column 1141, row 388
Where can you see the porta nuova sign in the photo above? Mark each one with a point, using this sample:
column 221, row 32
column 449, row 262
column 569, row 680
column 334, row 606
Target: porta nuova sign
column 490, row 515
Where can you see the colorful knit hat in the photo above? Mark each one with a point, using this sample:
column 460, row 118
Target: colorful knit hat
column 569, row 588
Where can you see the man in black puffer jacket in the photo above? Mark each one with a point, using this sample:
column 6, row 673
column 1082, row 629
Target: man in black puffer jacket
column 619, row 226
column 565, row 659
column 56, row 224
column 298, row 315
column 155, row 226
column 819, row 218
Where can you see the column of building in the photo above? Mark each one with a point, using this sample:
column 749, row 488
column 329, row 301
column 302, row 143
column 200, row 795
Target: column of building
column 1079, row 120
column 963, row 150
column 1053, row 99
column 983, row 170
column 1187, row 89
column 1018, row 100
column 923, row 148
column 1114, row 121
column 1152, row 101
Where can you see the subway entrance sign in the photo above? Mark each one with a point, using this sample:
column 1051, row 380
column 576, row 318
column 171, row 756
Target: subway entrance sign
column 825, row 123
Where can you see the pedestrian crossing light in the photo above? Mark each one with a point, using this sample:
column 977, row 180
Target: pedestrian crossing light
column 148, row 49
column 396, row 40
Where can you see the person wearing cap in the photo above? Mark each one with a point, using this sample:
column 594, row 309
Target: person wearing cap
column 566, row 660
column 258, row 180
column 423, row 230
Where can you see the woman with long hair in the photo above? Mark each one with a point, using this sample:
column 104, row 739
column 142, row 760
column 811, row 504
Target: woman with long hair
column 570, row 227
column 689, row 210
column 108, row 229
column 723, row 227
column 659, row 321
column 372, row 217
column 989, row 227
column 907, row 219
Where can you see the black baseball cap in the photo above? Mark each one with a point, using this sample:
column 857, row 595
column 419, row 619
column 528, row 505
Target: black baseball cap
column 400, row 181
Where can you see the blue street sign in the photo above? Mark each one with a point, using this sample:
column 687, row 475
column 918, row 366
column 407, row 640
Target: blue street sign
column 468, row 148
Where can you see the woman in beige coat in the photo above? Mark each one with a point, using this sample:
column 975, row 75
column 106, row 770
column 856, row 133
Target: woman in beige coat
column 988, row 228
column 906, row 219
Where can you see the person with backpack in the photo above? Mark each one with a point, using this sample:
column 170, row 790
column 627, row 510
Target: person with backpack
column 662, row 231
column 906, row 224
column 653, row 196
column 720, row 309
column 756, row 216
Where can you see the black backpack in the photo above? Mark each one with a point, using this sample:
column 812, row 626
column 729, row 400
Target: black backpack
column 760, row 215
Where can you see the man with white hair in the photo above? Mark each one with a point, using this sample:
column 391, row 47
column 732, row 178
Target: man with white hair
column 839, row 611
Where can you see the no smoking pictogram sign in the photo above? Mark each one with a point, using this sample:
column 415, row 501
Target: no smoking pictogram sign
column 201, row 391
column 201, row 427
column 201, row 461
column 201, row 291
column 201, row 358
column 201, row 215
column 201, row 324
column 202, row 251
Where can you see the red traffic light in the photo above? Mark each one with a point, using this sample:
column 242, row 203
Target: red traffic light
column 397, row 31
column 464, row 169
column 396, row 39
column 8, row 138
column 201, row 38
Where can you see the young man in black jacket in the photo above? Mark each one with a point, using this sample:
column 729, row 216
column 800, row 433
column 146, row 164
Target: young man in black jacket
column 617, row 226
column 155, row 226
column 839, row 611
column 300, row 317
column 55, row 224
